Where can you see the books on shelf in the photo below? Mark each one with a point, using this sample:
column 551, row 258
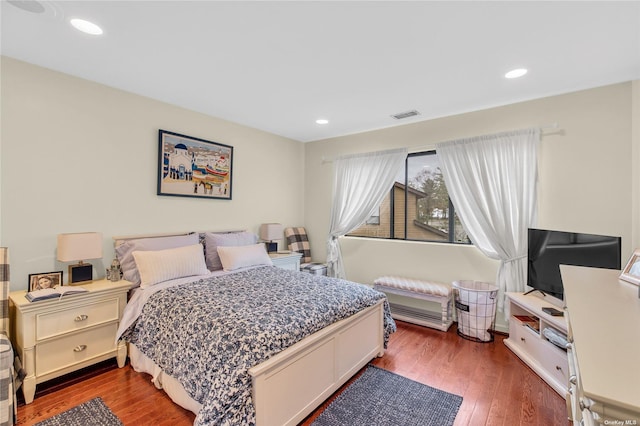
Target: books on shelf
column 51, row 293
column 529, row 321
column 526, row 318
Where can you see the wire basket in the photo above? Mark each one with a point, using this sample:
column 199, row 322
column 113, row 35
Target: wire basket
column 476, row 309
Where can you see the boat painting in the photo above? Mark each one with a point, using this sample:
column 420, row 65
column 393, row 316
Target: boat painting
column 192, row 167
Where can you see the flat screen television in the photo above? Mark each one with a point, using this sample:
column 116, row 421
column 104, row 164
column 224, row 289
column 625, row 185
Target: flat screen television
column 550, row 249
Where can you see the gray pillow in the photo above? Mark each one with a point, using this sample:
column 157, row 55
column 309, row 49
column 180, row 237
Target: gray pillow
column 124, row 252
column 212, row 240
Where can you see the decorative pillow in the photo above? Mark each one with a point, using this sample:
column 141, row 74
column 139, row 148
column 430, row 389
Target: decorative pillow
column 163, row 265
column 125, row 250
column 236, row 257
column 214, row 240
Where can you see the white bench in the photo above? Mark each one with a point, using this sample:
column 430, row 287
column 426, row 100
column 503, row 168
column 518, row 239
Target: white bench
column 418, row 289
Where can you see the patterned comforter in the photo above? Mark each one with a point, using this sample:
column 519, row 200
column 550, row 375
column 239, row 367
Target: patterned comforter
column 207, row 334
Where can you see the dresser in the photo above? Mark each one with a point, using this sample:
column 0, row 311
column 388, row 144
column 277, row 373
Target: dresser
column 286, row 260
column 57, row 336
column 603, row 319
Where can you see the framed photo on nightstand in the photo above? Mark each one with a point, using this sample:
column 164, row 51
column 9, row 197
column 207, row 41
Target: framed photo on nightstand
column 631, row 272
column 45, row 280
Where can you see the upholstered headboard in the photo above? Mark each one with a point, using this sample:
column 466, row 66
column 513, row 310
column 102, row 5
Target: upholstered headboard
column 121, row 239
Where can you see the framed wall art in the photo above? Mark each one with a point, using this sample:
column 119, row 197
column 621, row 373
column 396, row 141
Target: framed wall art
column 193, row 167
column 44, row 280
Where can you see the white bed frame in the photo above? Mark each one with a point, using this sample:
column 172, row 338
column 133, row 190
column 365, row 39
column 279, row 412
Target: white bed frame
column 290, row 385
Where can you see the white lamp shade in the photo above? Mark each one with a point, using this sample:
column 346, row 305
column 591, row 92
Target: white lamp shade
column 271, row 231
column 80, row 246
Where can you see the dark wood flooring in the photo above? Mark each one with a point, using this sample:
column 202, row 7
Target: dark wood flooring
column 497, row 388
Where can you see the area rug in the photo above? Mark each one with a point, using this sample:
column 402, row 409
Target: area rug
column 379, row 397
column 92, row 412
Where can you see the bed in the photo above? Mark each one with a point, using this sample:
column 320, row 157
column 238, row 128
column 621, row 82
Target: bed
column 247, row 342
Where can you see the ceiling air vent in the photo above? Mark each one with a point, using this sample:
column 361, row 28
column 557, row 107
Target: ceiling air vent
column 405, row 114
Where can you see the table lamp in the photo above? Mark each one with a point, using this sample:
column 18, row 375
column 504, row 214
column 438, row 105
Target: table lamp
column 270, row 232
column 77, row 248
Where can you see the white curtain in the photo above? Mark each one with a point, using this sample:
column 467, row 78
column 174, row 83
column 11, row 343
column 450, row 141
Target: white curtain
column 492, row 182
column 360, row 183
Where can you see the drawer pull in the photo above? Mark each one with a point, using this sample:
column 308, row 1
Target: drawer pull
column 82, row 317
column 80, row 348
column 585, row 405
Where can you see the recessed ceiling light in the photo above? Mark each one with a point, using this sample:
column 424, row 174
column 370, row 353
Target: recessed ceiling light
column 518, row 72
column 86, row 26
column 322, row 121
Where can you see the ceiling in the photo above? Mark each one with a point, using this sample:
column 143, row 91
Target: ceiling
column 279, row 66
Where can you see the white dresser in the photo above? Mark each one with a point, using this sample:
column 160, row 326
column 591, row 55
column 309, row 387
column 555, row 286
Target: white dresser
column 57, row 336
column 286, row 260
column 603, row 316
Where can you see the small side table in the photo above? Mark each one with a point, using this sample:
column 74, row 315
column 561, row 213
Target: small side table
column 286, row 260
column 54, row 337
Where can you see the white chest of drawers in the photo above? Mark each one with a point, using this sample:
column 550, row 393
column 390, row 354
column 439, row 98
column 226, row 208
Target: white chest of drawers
column 57, row 336
column 604, row 334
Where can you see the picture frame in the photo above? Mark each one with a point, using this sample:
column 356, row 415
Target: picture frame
column 631, row 271
column 39, row 281
column 194, row 167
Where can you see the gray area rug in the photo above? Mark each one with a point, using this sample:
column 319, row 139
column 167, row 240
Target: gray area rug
column 379, row 397
column 92, row 412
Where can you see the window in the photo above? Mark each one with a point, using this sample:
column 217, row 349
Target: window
column 418, row 207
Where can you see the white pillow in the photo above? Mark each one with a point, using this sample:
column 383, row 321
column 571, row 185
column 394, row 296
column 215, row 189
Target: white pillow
column 213, row 240
column 163, row 265
column 236, row 257
column 125, row 250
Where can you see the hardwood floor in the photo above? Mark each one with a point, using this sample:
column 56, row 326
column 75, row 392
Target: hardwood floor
column 497, row 388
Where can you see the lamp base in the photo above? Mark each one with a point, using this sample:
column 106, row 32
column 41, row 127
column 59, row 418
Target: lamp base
column 271, row 247
column 80, row 273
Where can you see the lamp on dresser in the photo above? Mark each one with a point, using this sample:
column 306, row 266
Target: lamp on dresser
column 270, row 233
column 79, row 247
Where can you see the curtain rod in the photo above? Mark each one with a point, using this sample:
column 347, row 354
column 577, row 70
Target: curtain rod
column 550, row 126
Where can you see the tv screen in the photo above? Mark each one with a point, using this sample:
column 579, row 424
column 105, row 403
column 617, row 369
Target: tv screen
column 550, row 249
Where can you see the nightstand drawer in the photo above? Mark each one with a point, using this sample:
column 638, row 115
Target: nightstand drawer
column 63, row 321
column 75, row 348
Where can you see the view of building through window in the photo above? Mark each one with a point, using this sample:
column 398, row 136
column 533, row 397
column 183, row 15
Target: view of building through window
column 418, row 206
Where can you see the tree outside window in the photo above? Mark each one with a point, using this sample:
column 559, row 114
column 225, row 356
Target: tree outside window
column 418, row 207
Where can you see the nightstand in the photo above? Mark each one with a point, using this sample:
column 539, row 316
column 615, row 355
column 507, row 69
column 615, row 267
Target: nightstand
column 54, row 337
column 286, row 260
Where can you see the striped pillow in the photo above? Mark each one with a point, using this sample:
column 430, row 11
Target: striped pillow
column 163, row 265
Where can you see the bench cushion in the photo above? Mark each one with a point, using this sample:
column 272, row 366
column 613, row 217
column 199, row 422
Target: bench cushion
column 416, row 286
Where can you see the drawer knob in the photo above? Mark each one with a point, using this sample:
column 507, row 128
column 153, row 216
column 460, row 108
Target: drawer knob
column 584, row 404
column 573, row 379
column 82, row 317
column 523, row 339
column 80, row 348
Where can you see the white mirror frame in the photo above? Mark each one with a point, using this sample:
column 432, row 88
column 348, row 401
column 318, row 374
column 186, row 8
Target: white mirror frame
column 631, row 272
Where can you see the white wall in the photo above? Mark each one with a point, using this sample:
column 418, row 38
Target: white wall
column 635, row 159
column 585, row 180
column 79, row 156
